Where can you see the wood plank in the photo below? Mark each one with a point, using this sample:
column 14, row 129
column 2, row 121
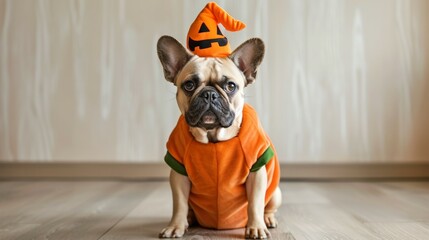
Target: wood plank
column 316, row 219
column 400, row 231
column 85, row 211
column 21, row 201
column 147, row 219
column 415, row 194
column 367, row 202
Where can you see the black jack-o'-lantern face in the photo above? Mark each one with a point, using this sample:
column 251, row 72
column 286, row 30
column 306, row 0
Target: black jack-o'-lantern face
column 207, row 40
column 220, row 39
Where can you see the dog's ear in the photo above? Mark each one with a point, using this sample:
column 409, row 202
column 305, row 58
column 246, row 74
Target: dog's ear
column 248, row 56
column 173, row 56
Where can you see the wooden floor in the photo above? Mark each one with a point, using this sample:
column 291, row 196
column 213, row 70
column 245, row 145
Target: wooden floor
column 138, row 210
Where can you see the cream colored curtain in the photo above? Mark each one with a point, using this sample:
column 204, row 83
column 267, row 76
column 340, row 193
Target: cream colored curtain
column 342, row 81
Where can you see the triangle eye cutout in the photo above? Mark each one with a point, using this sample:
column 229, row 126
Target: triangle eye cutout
column 203, row 28
column 219, row 32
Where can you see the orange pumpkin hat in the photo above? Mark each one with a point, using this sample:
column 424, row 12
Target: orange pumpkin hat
column 205, row 38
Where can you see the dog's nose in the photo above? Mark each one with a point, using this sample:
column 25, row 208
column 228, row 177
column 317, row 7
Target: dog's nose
column 210, row 95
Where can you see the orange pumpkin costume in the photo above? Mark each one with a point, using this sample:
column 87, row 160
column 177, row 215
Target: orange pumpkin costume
column 218, row 171
column 204, row 36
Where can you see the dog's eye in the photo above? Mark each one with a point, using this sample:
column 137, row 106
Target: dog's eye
column 230, row 87
column 189, row 86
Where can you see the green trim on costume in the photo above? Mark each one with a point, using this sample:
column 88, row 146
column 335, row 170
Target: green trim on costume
column 174, row 164
column 262, row 160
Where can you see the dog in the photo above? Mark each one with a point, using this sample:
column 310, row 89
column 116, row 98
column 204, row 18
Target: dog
column 218, row 180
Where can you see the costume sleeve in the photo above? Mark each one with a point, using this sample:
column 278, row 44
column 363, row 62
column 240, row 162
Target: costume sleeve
column 176, row 147
column 263, row 160
column 174, row 164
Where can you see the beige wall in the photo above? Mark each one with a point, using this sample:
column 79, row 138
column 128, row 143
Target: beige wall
column 342, row 81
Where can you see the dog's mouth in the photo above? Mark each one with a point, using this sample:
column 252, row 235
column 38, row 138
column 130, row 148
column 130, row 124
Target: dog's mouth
column 209, row 114
column 208, row 121
column 209, row 118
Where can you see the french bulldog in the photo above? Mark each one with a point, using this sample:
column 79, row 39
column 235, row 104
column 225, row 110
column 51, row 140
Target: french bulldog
column 210, row 96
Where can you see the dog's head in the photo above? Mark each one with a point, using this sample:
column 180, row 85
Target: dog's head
column 210, row 91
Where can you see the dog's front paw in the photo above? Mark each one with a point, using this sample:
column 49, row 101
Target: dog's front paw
column 173, row 231
column 257, row 231
column 270, row 220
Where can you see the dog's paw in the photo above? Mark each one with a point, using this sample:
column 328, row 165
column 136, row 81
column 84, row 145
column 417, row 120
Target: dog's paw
column 270, row 220
column 257, row 232
column 173, row 231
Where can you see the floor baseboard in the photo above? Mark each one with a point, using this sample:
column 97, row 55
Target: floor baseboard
column 131, row 171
